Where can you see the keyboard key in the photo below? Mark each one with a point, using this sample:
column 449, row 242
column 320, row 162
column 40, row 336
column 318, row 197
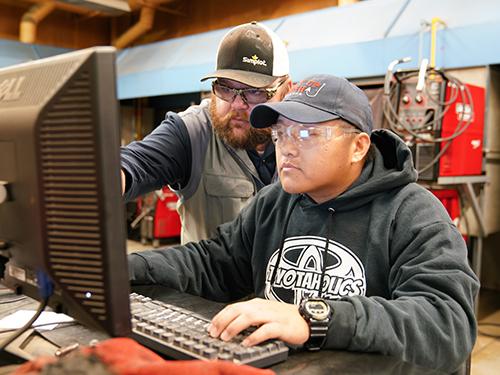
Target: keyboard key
column 167, row 336
column 158, row 332
column 179, row 341
column 210, row 353
column 188, row 344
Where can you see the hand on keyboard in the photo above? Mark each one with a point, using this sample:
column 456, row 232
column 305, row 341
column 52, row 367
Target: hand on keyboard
column 182, row 334
column 275, row 320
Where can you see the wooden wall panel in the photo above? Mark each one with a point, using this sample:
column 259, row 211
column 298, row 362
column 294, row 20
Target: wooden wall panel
column 60, row 28
column 65, row 29
column 200, row 16
column 9, row 21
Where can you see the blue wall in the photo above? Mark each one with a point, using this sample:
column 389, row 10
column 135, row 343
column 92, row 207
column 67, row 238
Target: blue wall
column 12, row 52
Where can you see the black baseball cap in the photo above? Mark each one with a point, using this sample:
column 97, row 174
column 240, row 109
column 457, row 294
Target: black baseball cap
column 251, row 54
column 316, row 99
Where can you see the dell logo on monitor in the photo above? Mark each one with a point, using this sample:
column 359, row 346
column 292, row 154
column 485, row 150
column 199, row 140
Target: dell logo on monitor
column 9, row 89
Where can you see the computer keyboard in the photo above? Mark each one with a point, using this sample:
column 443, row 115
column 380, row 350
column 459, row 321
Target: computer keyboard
column 182, row 334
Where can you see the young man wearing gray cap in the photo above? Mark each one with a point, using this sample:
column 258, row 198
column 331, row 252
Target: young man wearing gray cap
column 346, row 252
column 209, row 154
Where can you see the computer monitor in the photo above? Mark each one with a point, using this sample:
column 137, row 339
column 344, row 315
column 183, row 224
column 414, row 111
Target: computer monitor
column 61, row 212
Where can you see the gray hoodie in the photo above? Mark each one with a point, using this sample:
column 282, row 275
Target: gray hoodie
column 385, row 253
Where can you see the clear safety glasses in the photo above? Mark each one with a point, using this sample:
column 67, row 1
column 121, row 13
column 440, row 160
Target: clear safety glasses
column 308, row 135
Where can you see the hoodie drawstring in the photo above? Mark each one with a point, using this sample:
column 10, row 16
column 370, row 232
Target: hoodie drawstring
column 283, row 234
column 329, row 235
column 282, row 244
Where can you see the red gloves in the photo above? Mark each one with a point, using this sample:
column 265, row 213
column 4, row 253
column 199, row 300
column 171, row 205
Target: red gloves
column 124, row 356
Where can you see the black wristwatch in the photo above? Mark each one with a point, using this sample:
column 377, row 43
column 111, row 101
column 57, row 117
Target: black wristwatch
column 317, row 313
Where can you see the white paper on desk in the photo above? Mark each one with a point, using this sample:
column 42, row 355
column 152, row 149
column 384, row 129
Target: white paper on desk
column 21, row 317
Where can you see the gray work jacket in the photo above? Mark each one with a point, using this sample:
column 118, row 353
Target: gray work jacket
column 222, row 179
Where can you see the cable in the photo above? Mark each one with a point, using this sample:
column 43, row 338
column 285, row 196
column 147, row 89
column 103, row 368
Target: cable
column 462, row 206
column 390, row 111
column 24, row 328
column 436, row 158
column 65, row 322
column 12, row 300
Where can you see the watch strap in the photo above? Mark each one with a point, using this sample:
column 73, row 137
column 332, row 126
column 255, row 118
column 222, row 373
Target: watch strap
column 318, row 328
column 318, row 334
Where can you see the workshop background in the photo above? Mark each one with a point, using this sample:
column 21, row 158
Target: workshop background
column 165, row 46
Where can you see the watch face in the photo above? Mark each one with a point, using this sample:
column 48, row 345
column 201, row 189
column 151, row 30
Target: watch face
column 318, row 310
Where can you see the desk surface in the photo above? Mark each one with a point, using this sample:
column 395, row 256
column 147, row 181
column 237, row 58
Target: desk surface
column 311, row 363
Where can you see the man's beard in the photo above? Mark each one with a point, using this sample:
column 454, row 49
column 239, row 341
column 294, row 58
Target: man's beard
column 222, row 126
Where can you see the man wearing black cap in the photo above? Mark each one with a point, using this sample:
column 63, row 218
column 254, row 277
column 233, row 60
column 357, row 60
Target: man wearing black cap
column 346, row 252
column 209, row 154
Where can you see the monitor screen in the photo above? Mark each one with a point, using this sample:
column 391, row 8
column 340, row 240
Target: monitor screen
column 61, row 212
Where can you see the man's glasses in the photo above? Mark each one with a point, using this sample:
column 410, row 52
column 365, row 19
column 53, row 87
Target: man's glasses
column 308, row 135
column 249, row 95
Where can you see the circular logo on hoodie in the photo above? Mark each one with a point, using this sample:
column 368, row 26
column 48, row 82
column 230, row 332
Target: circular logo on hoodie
column 308, row 261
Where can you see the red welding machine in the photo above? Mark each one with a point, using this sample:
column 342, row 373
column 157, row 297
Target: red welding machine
column 464, row 156
column 158, row 217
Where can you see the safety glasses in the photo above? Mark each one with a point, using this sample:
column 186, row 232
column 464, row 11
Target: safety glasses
column 308, row 135
column 248, row 95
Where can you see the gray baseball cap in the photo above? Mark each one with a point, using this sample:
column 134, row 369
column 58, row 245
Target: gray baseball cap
column 316, row 99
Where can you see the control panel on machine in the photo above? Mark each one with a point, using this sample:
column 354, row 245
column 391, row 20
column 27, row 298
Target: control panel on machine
column 440, row 118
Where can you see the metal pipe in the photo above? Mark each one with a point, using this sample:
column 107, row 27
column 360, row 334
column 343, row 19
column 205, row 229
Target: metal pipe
column 478, row 213
column 396, row 18
column 144, row 24
column 30, row 20
column 434, row 25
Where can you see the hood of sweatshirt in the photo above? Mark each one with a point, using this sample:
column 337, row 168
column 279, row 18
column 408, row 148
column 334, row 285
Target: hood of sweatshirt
column 391, row 167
